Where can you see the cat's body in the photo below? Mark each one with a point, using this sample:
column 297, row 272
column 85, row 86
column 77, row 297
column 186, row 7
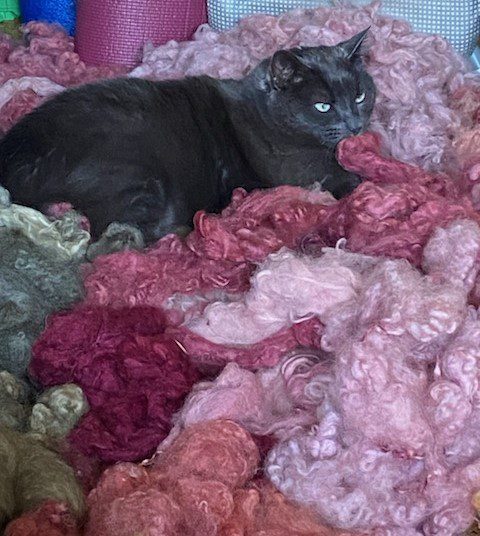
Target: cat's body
column 151, row 154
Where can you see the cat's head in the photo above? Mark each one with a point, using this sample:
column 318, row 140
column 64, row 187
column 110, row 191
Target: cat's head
column 322, row 91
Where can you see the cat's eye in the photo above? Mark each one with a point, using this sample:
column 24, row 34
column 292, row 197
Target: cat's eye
column 322, row 106
column 360, row 98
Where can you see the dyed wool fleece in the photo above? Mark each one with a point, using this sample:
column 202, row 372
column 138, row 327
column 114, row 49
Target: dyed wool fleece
column 380, row 433
column 200, row 485
column 394, row 213
column 39, row 274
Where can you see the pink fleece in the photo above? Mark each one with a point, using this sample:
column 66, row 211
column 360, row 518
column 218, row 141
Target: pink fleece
column 394, row 442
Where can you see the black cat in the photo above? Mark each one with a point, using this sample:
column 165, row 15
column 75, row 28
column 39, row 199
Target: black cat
column 150, row 154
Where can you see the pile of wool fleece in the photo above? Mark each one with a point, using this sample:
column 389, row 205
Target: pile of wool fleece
column 202, row 484
column 32, row 474
column 394, row 212
column 39, row 274
column 218, row 255
column 43, row 65
column 133, row 376
column 395, row 443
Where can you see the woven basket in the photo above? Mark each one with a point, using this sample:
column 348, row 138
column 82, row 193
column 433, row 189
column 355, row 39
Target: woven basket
column 113, row 32
column 456, row 20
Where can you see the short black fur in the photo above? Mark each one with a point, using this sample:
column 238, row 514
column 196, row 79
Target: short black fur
column 151, row 154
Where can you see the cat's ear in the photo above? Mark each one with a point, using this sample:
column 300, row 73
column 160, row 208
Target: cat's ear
column 353, row 46
column 285, row 69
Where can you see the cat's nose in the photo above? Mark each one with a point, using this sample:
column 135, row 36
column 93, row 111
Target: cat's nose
column 355, row 127
column 354, row 124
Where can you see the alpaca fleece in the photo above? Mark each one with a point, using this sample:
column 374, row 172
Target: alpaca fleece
column 132, row 375
column 32, row 474
column 33, row 283
column 200, row 484
column 49, row 519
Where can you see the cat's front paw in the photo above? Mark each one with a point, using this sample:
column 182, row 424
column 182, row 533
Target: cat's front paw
column 117, row 237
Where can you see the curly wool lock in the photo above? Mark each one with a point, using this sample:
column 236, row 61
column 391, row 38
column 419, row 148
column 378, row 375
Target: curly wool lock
column 63, row 236
column 132, row 375
column 57, row 411
column 200, row 484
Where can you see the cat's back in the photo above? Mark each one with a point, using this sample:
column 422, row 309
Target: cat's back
column 156, row 150
column 113, row 107
column 122, row 122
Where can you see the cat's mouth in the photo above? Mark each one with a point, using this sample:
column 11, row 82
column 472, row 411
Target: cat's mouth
column 333, row 138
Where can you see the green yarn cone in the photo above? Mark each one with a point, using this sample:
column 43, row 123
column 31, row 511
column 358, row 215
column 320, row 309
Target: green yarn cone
column 9, row 10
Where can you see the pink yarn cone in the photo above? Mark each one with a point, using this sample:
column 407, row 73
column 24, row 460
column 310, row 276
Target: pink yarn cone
column 113, row 32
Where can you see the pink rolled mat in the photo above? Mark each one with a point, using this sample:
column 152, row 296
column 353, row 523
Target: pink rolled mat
column 113, row 32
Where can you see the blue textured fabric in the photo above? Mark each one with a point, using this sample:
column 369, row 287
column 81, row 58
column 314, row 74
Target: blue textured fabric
column 62, row 12
column 458, row 21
